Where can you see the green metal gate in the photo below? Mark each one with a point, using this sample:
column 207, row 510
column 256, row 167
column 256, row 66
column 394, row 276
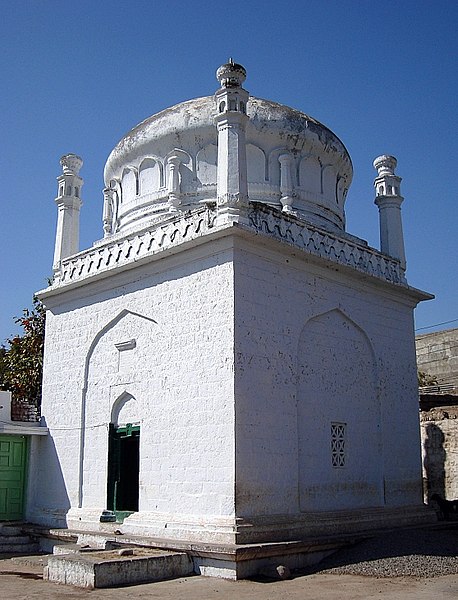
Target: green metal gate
column 13, row 457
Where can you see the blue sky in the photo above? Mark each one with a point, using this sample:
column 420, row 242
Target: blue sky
column 76, row 76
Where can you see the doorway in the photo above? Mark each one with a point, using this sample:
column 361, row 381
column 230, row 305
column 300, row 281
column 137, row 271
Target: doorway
column 123, row 469
column 13, row 457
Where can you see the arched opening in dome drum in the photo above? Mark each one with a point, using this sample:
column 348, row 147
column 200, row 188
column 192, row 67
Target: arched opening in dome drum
column 256, row 164
column 206, row 165
column 222, row 106
column 129, row 184
column 149, row 176
column 310, row 175
column 329, row 180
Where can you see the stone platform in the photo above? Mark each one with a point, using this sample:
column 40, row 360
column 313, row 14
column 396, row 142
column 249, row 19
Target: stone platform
column 109, row 568
column 299, row 548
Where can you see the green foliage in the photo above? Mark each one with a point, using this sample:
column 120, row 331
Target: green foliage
column 424, row 379
column 21, row 361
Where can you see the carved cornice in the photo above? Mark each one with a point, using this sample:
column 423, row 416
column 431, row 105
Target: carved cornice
column 131, row 249
column 233, row 200
column 128, row 251
column 319, row 243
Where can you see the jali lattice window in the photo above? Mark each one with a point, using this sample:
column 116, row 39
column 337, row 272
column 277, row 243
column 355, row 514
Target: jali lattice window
column 338, row 435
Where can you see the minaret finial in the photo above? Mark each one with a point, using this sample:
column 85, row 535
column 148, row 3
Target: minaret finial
column 231, row 74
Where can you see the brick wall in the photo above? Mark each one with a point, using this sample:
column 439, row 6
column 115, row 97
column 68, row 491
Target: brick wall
column 24, row 411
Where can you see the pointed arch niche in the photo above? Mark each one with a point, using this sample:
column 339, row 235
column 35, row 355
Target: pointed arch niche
column 124, row 410
column 102, row 369
column 339, row 423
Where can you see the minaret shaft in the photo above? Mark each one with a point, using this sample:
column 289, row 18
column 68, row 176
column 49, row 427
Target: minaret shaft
column 231, row 119
column 232, row 165
column 389, row 200
column 68, row 209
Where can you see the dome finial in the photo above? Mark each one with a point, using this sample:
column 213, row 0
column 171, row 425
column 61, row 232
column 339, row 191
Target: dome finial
column 231, row 74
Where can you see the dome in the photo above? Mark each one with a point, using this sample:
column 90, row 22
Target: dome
column 139, row 170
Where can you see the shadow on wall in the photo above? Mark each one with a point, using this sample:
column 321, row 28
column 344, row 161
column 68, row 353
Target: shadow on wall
column 434, row 462
column 50, row 499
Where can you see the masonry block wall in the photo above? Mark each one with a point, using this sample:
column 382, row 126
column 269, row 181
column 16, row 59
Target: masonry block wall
column 154, row 348
column 437, row 356
column 439, row 433
column 264, row 384
column 316, row 349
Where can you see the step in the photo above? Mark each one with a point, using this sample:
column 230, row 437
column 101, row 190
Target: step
column 107, row 568
column 28, row 548
column 9, row 530
column 14, row 539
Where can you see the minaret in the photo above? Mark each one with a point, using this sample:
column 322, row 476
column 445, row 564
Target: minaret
column 231, row 101
column 388, row 199
column 68, row 204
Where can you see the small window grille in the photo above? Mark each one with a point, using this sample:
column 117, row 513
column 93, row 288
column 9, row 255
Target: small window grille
column 338, row 435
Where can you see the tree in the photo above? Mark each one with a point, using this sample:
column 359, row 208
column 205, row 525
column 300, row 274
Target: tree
column 425, row 380
column 21, row 361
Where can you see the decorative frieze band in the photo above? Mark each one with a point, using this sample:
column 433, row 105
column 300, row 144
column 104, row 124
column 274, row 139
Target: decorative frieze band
column 319, row 243
column 133, row 248
column 111, row 255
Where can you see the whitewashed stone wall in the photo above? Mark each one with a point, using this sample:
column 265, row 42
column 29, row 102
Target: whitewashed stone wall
column 354, row 344
column 235, row 357
column 179, row 384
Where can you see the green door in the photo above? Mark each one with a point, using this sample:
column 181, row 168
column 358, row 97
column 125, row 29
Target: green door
column 123, row 469
column 13, row 454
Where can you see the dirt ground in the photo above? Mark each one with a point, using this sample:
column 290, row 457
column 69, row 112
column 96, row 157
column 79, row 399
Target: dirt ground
column 23, row 582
